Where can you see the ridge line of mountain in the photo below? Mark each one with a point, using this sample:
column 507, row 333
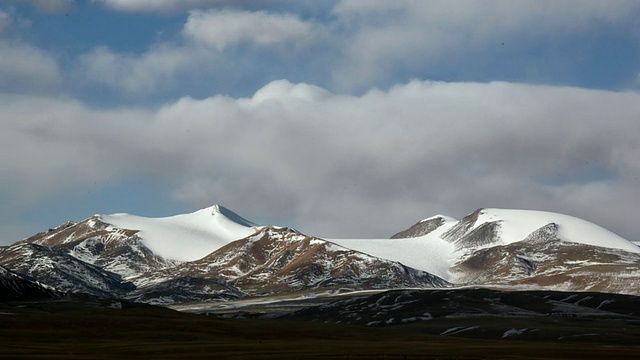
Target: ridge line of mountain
column 214, row 254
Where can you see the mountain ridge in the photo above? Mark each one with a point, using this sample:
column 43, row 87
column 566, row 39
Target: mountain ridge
column 214, row 254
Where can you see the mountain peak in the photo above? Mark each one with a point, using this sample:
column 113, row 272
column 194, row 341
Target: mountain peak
column 186, row 237
column 219, row 210
column 438, row 217
column 516, row 225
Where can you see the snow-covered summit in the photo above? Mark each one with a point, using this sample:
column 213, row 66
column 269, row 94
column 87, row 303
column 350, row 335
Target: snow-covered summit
column 516, row 225
column 437, row 243
column 185, row 237
column 445, row 218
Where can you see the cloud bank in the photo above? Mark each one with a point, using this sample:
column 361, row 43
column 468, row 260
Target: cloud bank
column 340, row 165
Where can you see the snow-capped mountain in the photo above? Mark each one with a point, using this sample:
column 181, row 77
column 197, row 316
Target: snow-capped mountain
column 99, row 255
column 185, row 237
column 214, row 254
column 211, row 254
column 279, row 260
column 521, row 248
column 491, row 227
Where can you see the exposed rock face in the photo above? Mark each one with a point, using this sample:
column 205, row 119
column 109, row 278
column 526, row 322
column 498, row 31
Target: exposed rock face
column 421, row 228
column 463, row 227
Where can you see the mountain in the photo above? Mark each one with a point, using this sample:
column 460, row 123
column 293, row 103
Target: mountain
column 215, row 255
column 62, row 271
column 280, row 260
column 515, row 248
column 130, row 245
column 544, row 260
column 185, row 237
column 17, row 287
column 210, row 255
column 490, row 227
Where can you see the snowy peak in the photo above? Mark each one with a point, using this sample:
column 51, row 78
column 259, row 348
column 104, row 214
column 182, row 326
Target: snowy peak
column 425, row 227
column 185, row 237
column 490, row 227
column 221, row 211
column 441, row 217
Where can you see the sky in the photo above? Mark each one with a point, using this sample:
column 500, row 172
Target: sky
column 344, row 118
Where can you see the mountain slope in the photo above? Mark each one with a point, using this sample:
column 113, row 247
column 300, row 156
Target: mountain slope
column 279, row 260
column 62, row 271
column 98, row 243
column 543, row 260
column 17, row 287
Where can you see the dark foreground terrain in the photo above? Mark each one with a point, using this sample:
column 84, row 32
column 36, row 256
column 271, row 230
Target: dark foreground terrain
column 106, row 329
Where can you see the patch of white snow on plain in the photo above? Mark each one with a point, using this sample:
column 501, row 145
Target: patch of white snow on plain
column 515, row 225
column 457, row 330
column 185, row 237
column 605, row 302
column 514, row 332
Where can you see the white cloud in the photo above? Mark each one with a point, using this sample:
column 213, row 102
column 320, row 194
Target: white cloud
column 221, row 28
column 5, row 20
column 25, row 67
column 144, row 73
column 166, row 65
column 338, row 165
column 416, row 34
column 163, row 5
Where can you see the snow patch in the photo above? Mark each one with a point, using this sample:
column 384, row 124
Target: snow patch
column 457, row 330
column 514, row 332
column 428, row 253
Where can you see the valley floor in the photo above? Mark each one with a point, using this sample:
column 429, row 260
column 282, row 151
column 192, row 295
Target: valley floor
column 101, row 330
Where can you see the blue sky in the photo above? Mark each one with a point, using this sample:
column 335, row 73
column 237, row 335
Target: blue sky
column 342, row 118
